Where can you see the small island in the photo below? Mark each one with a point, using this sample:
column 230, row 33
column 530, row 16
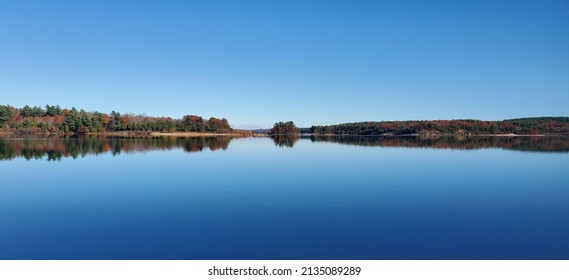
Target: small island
column 284, row 128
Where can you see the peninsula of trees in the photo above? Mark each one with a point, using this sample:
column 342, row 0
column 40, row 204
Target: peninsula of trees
column 56, row 120
column 525, row 126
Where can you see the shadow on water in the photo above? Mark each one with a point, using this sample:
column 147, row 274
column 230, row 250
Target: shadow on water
column 553, row 144
column 55, row 148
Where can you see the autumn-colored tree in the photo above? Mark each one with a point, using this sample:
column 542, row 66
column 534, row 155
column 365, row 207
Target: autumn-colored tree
column 125, row 119
column 193, row 123
column 58, row 120
column 105, row 119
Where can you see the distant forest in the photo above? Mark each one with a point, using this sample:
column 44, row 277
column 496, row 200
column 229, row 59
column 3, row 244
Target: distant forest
column 542, row 125
column 55, row 120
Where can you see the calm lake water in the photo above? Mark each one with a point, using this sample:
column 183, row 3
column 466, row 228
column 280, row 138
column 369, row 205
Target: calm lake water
column 287, row 198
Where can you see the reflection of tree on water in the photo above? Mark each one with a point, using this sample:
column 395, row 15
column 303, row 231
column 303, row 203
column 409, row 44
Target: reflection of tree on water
column 55, row 148
column 519, row 143
column 197, row 144
column 285, row 140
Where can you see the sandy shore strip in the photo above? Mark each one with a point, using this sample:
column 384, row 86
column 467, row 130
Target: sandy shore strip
column 199, row 134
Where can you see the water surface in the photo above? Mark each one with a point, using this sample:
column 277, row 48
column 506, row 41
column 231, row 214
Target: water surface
column 285, row 198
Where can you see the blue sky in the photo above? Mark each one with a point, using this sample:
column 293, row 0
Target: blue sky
column 313, row 62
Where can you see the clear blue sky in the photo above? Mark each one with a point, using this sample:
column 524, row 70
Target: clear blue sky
column 313, row 62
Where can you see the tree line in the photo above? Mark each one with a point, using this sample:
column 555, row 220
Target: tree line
column 57, row 120
column 541, row 125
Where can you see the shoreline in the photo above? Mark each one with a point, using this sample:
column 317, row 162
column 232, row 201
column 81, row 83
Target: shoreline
column 202, row 134
column 255, row 134
column 447, row 135
column 141, row 134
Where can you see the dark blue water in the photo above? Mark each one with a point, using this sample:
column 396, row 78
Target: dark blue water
column 298, row 199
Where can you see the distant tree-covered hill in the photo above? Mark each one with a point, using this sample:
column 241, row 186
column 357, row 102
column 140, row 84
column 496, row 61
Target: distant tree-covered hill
column 541, row 125
column 57, row 120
